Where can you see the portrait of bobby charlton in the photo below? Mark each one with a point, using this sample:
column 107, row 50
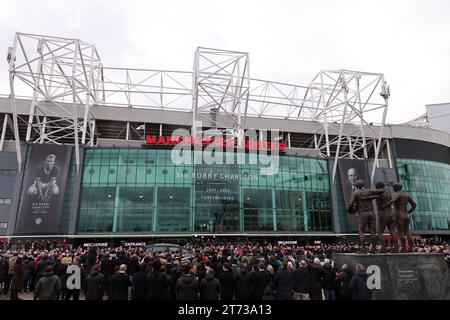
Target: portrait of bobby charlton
column 44, row 186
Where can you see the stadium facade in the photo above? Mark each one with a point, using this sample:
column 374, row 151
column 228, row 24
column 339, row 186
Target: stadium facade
column 88, row 151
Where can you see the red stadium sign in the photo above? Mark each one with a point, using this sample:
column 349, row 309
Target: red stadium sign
column 219, row 142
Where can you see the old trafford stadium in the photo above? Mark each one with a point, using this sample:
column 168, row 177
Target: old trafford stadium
column 101, row 156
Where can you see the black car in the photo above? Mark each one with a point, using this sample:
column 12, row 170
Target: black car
column 175, row 249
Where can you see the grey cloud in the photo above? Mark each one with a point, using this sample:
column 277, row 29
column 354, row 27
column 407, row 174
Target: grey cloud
column 288, row 41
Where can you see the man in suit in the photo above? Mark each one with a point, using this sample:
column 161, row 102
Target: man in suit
column 44, row 186
column 352, row 178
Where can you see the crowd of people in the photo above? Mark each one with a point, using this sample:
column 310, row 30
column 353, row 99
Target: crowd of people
column 212, row 270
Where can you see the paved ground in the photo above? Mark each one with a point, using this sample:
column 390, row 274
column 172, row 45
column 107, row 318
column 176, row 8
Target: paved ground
column 28, row 296
column 23, row 296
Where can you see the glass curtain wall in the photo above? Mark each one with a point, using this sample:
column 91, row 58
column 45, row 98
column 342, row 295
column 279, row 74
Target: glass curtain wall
column 427, row 182
column 143, row 191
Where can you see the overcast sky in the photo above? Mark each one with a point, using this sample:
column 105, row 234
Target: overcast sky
column 288, row 41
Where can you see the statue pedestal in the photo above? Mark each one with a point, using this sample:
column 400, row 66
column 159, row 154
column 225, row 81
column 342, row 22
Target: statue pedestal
column 218, row 228
column 403, row 276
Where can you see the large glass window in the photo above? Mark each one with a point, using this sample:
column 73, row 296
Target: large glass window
column 135, row 209
column 291, row 212
column 427, row 183
column 258, row 210
column 97, row 209
column 130, row 190
column 173, row 209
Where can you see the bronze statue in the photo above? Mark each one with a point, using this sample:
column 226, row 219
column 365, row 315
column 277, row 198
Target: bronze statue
column 400, row 200
column 361, row 203
column 386, row 216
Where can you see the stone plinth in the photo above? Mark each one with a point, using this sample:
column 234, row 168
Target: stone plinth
column 404, row 276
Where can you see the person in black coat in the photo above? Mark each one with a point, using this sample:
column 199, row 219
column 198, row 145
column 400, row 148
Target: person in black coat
column 358, row 284
column 176, row 271
column 94, row 284
column 284, row 281
column 133, row 265
column 119, row 283
column 139, row 283
column 227, row 281
column 29, row 269
column 317, row 276
column 343, row 290
column 260, row 280
column 122, row 258
column 302, row 282
column 187, row 286
column 91, row 260
column 270, row 293
column 40, row 267
column 61, row 272
column 274, row 263
column 158, row 283
column 328, row 282
column 4, row 266
column 210, row 288
column 106, row 266
column 243, row 283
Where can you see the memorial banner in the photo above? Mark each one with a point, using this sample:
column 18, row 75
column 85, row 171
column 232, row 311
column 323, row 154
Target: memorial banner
column 43, row 190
